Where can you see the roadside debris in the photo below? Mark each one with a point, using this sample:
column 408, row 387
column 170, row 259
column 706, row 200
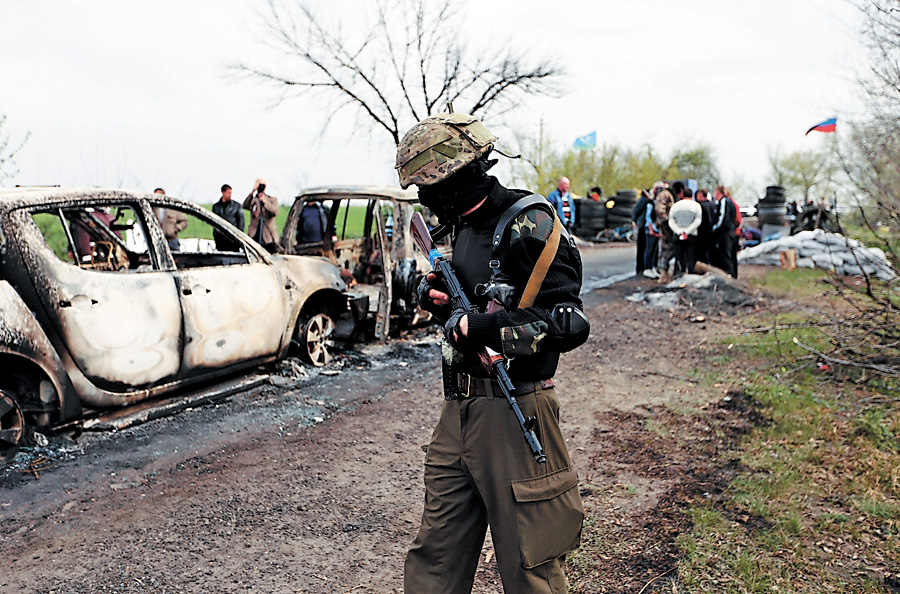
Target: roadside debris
column 38, row 465
column 154, row 409
column 708, row 294
column 35, row 459
column 820, row 249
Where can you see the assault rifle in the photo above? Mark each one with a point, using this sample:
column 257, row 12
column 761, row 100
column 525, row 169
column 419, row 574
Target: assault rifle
column 493, row 362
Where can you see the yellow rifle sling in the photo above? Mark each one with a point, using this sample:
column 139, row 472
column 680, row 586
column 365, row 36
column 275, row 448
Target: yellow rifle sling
column 543, row 265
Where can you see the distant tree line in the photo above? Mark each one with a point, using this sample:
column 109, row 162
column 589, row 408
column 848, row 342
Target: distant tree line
column 610, row 167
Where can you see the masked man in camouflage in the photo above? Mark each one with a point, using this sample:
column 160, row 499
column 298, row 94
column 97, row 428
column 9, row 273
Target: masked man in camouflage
column 478, row 470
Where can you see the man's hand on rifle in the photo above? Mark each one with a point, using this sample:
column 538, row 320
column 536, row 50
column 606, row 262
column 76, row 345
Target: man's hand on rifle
column 457, row 328
column 428, row 290
column 432, row 296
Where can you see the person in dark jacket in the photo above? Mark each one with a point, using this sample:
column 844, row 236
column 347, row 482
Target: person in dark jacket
column 313, row 222
column 704, row 241
column 232, row 212
column 637, row 215
column 722, row 232
column 478, row 470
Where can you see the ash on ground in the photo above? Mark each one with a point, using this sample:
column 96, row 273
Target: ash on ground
column 711, row 294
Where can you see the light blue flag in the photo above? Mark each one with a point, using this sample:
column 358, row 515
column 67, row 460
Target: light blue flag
column 588, row 141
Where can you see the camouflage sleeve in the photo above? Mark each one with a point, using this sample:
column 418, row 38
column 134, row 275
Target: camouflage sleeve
column 528, row 330
column 533, row 223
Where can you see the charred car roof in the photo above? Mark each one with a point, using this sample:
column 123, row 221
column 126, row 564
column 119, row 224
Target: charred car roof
column 393, row 192
column 11, row 198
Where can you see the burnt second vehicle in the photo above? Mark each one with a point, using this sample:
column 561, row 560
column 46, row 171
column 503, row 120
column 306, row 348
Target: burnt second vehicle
column 364, row 231
column 100, row 309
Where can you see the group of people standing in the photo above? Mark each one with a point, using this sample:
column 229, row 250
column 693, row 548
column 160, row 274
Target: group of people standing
column 674, row 224
column 263, row 209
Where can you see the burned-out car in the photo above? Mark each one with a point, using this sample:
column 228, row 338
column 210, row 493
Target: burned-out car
column 364, row 230
column 101, row 309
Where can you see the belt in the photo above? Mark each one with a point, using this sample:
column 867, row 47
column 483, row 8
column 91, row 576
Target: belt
column 468, row 386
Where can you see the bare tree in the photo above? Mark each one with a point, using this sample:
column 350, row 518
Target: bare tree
column 697, row 161
column 7, row 154
column 871, row 156
column 410, row 63
column 882, row 37
column 800, row 171
column 862, row 339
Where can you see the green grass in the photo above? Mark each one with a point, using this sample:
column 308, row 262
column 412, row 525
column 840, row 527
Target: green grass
column 797, row 283
column 823, row 476
column 197, row 228
column 54, row 234
column 348, row 227
column 773, row 338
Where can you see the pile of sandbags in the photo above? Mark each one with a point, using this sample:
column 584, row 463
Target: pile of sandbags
column 820, row 249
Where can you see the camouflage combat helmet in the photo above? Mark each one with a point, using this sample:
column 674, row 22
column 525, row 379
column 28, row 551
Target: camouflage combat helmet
column 440, row 145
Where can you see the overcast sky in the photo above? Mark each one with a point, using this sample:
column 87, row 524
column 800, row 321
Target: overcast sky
column 136, row 94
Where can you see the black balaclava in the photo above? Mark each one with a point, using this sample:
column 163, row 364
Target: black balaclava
column 451, row 197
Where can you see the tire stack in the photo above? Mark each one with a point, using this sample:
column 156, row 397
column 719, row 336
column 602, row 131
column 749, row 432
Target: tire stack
column 623, row 204
column 771, row 208
column 591, row 217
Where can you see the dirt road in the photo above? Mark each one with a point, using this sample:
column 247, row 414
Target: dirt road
column 274, row 490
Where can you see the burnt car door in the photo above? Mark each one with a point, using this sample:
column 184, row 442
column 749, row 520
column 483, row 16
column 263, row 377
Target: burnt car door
column 235, row 304
column 104, row 291
column 355, row 240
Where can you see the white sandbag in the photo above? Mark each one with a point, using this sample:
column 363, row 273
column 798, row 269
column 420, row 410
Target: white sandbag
column 877, row 254
column 807, row 235
column 852, row 271
column 813, row 249
column 873, row 255
column 765, row 247
column 752, row 252
column 852, row 258
column 789, row 243
column 826, row 261
column 811, row 246
column 833, row 239
column 805, row 263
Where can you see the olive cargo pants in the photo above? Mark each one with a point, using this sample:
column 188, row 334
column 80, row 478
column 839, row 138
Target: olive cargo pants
column 479, row 472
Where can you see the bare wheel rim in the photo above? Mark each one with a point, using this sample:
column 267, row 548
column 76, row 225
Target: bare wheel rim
column 12, row 426
column 319, row 339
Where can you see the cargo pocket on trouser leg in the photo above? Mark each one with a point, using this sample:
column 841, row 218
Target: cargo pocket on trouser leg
column 548, row 515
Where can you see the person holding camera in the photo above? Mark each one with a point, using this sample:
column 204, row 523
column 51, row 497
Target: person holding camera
column 263, row 209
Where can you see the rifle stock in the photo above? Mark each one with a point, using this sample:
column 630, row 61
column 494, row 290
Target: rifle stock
column 493, row 361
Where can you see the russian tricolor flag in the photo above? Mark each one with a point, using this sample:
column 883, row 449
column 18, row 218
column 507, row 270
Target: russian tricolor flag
column 826, row 126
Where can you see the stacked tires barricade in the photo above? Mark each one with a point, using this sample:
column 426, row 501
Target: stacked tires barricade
column 770, row 209
column 600, row 221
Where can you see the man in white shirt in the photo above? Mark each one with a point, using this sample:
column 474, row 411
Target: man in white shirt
column 684, row 220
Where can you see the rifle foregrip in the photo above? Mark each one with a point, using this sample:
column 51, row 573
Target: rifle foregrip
column 454, row 288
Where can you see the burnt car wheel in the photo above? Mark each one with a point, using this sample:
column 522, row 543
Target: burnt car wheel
column 316, row 338
column 12, row 427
